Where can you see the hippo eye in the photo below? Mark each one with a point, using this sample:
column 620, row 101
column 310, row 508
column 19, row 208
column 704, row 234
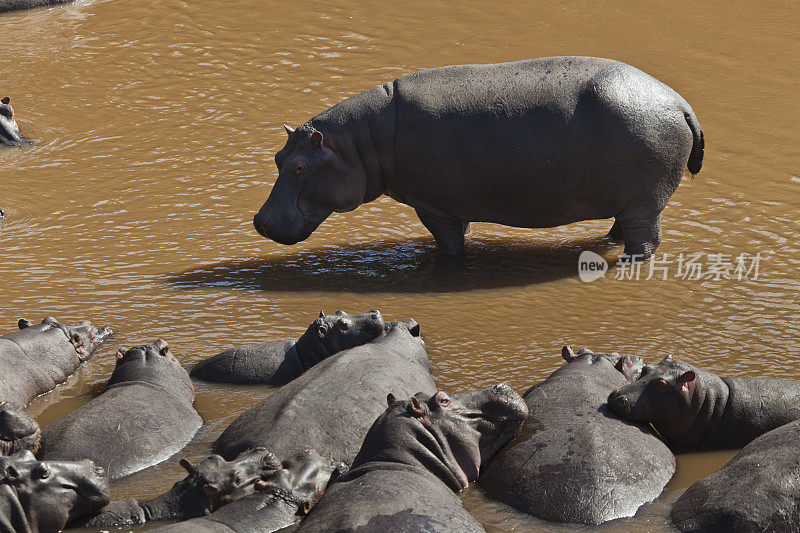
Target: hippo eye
column 299, row 168
column 660, row 384
column 237, row 480
column 444, row 400
column 43, row 472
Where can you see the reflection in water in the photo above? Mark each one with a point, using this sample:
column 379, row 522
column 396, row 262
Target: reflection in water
column 400, row 266
column 157, row 123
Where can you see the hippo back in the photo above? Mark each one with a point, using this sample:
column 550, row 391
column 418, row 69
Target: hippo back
column 758, row 490
column 574, row 460
column 331, row 407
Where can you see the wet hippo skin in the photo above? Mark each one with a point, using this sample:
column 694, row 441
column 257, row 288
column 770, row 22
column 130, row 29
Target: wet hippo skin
column 694, row 409
column 331, row 406
column 144, row 416
column 418, row 454
column 574, row 460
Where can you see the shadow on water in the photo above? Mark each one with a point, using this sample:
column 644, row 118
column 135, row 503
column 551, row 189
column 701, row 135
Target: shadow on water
column 414, row 266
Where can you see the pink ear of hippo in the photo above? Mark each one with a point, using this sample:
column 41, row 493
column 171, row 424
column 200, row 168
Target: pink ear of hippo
column 415, row 408
column 568, row 354
column 6, row 100
column 390, row 399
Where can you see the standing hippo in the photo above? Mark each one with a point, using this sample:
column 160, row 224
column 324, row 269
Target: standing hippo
column 208, row 486
column 758, row 490
column 281, row 499
column 18, row 431
column 277, row 363
column 43, row 497
column 692, row 408
column 331, row 407
column 536, row 144
column 144, row 416
column 416, row 456
column 574, row 461
column 9, row 131
column 38, row 357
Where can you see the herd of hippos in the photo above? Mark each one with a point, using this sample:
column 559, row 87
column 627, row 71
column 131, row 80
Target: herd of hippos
column 357, row 437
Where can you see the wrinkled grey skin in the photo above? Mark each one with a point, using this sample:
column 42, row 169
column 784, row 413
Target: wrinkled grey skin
column 144, row 416
column 282, row 498
column 44, row 496
column 38, row 357
column 209, row 485
column 536, row 144
column 14, row 5
column 331, row 407
column 9, row 130
column 414, row 460
column 277, row 363
column 692, row 408
column 574, row 460
column 757, row 491
column 18, row 431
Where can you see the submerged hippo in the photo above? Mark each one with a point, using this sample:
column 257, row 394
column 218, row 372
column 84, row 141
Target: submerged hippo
column 414, row 460
column 18, row 431
column 535, row 144
column 758, row 490
column 9, row 131
column 45, row 496
column 331, row 407
column 281, row 499
column 38, row 357
column 144, row 416
column 277, row 363
column 209, row 485
column 692, row 408
column 573, row 460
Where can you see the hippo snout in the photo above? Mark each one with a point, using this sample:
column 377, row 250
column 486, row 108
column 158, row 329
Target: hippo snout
column 619, row 403
column 283, row 228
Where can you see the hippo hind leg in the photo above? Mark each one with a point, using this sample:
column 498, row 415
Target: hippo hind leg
column 642, row 235
column 448, row 231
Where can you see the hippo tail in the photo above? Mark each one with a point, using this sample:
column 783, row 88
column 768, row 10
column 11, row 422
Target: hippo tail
column 698, row 142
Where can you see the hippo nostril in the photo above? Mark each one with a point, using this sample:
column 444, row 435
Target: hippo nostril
column 100, row 471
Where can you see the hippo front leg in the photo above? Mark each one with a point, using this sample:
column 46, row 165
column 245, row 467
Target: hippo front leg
column 448, row 231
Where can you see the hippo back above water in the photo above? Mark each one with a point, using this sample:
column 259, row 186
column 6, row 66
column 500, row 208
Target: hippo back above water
column 9, row 131
column 536, row 143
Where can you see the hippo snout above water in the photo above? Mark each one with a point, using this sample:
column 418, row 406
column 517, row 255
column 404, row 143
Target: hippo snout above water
column 538, row 143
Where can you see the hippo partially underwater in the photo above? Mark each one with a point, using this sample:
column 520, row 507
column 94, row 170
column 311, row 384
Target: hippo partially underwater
column 9, row 131
column 536, row 144
column 144, row 415
column 14, row 5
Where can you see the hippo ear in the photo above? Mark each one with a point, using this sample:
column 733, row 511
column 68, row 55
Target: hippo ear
column 13, row 475
column 120, row 353
column 305, row 507
column 321, row 313
column 687, row 377
column 390, row 399
column 414, row 330
column 667, row 358
column 23, row 324
column 187, row 465
column 6, row 100
column 288, row 129
column 415, row 408
column 316, row 140
column 568, row 354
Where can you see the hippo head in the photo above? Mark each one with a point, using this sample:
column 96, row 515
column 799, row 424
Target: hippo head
column 452, row 436
column 85, row 337
column 630, row 366
column 215, row 482
column 330, row 334
column 9, row 131
column 661, row 396
column 55, row 493
column 18, row 431
column 152, row 363
column 314, row 180
column 302, row 478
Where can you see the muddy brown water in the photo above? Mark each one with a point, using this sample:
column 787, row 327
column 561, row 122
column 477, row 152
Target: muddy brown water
column 157, row 123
